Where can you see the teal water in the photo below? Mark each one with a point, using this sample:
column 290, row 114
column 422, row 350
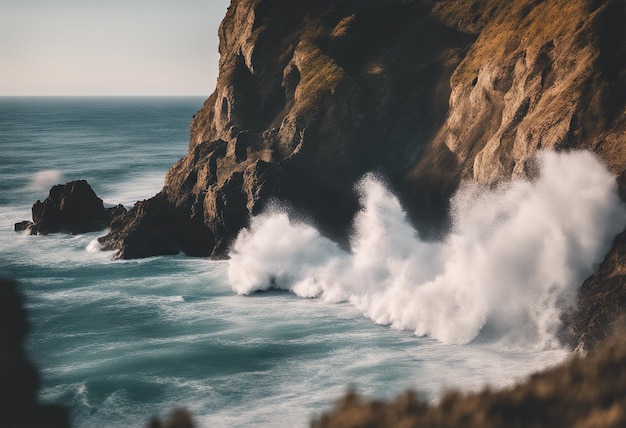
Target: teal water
column 119, row 341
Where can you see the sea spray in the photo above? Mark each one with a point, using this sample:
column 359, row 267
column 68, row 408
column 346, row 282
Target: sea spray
column 510, row 265
column 116, row 341
column 41, row 181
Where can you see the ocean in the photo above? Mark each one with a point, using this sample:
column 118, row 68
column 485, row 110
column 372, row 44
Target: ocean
column 120, row 341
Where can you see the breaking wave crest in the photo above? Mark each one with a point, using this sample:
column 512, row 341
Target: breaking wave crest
column 510, row 265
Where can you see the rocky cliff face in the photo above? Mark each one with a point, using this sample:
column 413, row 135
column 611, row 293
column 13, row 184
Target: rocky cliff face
column 540, row 74
column 310, row 96
column 313, row 94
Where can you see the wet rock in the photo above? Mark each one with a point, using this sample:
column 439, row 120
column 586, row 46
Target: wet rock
column 24, row 226
column 156, row 226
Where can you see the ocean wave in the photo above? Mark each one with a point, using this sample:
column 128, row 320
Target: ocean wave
column 510, row 265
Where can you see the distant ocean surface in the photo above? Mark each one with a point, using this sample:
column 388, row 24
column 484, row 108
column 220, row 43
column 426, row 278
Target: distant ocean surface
column 120, row 341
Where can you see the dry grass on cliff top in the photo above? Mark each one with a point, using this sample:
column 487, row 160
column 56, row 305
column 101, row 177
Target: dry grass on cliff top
column 583, row 393
column 519, row 25
column 318, row 73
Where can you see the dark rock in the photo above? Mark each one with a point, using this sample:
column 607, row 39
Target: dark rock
column 157, row 227
column 70, row 208
column 19, row 380
column 23, row 226
column 602, row 300
column 301, row 118
column 115, row 211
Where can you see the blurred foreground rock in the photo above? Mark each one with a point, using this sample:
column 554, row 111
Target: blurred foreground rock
column 582, row 392
column 19, row 380
column 179, row 418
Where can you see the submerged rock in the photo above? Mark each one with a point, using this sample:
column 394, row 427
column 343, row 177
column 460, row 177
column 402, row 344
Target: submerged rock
column 72, row 208
column 25, row 225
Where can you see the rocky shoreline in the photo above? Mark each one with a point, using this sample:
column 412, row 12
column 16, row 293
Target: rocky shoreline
column 312, row 95
column 456, row 90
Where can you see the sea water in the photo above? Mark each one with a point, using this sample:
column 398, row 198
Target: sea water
column 119, row 341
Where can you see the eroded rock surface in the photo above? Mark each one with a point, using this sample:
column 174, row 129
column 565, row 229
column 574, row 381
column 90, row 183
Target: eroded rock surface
column 311, row 95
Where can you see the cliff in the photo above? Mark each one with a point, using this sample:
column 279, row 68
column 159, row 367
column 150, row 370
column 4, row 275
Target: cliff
column 313, row 94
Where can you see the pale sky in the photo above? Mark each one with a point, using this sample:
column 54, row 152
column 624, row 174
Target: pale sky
column 109, row 47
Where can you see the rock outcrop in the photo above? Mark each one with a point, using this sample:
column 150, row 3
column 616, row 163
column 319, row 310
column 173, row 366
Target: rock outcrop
column 19, row 380
column 70, row 208
column 313, row 94
column 157, row 226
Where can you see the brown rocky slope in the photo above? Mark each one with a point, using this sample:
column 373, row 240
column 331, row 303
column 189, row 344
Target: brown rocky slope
column 313, row 94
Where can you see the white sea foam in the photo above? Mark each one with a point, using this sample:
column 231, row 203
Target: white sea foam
column 94, row 246
column 43, row 180
column 510, row 265
column 135, row 188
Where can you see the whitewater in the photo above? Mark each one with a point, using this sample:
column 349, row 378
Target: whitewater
column 511, row 264
column 120, row 341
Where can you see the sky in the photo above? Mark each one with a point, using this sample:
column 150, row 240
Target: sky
column 109, row 47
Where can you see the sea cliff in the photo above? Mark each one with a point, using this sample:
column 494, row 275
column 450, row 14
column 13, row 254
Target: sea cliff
column 311, row 95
